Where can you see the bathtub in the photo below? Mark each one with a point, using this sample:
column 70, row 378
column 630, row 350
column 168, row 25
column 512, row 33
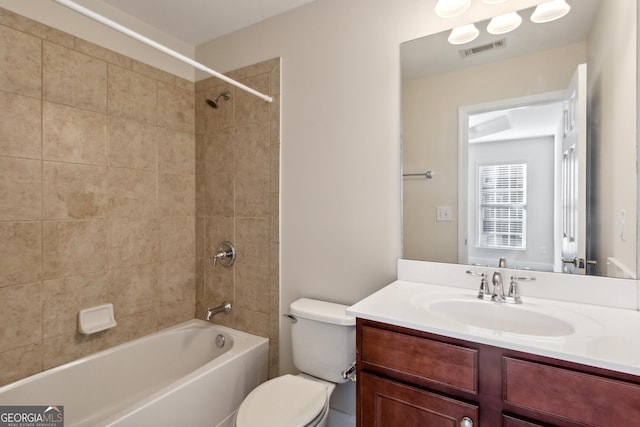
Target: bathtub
column 175, row 377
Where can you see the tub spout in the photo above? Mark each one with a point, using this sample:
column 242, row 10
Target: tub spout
column 224, row 308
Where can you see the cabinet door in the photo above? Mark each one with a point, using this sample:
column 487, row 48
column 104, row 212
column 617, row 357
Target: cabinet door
column 385, row 403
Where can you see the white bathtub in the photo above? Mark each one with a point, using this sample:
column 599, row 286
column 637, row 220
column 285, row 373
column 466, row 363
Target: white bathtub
column 174, row 377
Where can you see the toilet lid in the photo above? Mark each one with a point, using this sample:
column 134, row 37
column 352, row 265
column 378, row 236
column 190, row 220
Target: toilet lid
column 286, row 401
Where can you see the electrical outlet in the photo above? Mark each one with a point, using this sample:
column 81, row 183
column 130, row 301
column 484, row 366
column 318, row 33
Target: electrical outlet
column 444, row 213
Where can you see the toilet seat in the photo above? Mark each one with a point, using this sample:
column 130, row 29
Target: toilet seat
column 285, row 401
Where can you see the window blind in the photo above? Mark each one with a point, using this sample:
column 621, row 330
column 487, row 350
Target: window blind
column 502, row 214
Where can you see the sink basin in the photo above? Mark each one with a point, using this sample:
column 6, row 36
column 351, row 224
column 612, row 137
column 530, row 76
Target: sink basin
column 499, row 317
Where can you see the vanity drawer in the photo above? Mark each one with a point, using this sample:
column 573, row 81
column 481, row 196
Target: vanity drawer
column 418, row 358
column 570, row 395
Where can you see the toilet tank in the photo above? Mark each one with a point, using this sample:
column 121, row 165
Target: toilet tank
column 323, row 338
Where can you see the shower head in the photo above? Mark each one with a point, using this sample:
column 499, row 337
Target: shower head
column 213, row 103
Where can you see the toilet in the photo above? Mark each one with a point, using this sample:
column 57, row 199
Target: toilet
column 323, row 341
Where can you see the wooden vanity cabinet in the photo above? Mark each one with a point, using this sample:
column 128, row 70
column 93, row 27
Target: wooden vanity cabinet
column 410, row 378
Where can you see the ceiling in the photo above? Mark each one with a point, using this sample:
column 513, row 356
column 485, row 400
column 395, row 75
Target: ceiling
column 197, row 21
column 522, row 122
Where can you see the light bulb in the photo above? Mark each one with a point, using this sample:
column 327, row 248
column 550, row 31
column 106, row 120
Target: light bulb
column 504, row 23
column 464, row 34
column 550, row 11
column 451, row 8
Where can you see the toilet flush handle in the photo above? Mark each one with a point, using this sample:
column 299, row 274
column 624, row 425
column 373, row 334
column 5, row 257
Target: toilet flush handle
column 291, row 317
column 350, row 372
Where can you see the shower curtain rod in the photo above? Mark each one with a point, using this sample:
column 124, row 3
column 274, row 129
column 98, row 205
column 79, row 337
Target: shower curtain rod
column 126, row 31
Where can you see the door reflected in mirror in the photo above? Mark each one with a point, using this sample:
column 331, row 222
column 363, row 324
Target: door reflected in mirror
column 554, row 194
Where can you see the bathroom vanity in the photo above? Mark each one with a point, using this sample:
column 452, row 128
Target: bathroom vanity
column 428, row 355
column 412, row 378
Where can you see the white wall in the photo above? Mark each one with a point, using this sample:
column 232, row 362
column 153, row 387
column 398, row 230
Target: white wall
column 340, row 158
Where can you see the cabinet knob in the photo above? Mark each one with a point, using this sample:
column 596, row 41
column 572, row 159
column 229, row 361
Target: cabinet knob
column 466, row 422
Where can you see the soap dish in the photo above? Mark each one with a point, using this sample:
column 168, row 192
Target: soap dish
column 96, row 319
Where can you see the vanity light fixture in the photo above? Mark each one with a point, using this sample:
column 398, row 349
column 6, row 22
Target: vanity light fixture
column 451, row 8
column 464, row 34
column 504, row 23
column 550, row 11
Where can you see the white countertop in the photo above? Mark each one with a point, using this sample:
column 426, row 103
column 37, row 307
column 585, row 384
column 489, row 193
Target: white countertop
column 603, row 337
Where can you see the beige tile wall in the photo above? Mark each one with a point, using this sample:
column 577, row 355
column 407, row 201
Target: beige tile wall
column 97, row 196
column 237, row 199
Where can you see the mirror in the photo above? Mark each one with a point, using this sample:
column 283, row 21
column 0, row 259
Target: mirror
column 457, row 99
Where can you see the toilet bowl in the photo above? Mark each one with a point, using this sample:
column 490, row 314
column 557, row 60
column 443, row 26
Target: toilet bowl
column 288, row 400
column 323, row 343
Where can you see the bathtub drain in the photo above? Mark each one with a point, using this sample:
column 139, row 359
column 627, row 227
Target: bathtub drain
column 220, row 340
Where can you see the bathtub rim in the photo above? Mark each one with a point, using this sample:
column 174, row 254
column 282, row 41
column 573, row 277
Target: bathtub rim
column 242, row 341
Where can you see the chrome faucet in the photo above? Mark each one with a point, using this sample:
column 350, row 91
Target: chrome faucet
column 496, row 280
column 498, row 287
column 513, row 296
column 484, row 293
column 224, row 308
column 498, row 295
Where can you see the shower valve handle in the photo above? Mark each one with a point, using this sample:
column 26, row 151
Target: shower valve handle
column 225, row 255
